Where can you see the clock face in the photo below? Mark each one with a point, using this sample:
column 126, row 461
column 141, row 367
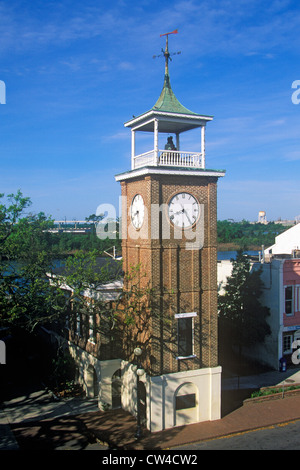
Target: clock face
column 137, row 211
column 184, row 210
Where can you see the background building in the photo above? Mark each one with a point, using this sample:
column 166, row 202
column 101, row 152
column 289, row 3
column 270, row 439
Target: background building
column 280, row 265
column 287, row 242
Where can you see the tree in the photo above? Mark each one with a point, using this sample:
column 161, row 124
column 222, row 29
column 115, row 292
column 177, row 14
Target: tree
column 133, row 312
column 120, row 322
column 26, row 297
column 95, row 218
column 10, row 214
column 33, row 291
column 245, row 233
column 127, row 320
column 242, row 318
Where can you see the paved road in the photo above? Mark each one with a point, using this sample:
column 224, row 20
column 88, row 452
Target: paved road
column 279, row 437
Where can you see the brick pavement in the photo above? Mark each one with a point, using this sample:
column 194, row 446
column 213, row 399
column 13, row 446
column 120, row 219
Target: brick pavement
column 34, row 421
column 119, row 427
column 116, row 429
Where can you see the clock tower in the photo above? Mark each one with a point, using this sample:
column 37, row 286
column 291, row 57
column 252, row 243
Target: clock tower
column 169, row 229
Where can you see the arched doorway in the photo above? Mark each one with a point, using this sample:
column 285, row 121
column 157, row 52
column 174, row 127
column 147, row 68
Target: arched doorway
column 143, row 403
column 116, row 384
column 186, row 404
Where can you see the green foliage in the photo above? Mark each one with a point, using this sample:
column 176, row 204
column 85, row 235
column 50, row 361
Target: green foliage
column 242, row 318
column 33, row 291
column 10, row 214
column 248, row 234
column 82, row 271
column 27, row 253
column 134, row 298
column 26, row 257
column 62, row 368
column 83, row 274
column 271, row 391
column 66, row 243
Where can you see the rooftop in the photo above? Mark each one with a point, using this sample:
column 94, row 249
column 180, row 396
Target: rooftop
column 168, row 116
column 168, row 170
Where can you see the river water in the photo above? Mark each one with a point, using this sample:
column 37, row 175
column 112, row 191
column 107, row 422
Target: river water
column 223, row 255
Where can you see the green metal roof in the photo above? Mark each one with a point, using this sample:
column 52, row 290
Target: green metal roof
column 167, row 102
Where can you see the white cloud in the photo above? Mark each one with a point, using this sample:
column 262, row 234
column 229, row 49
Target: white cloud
column 292, row 156
column 117, row 136
column 126, row 65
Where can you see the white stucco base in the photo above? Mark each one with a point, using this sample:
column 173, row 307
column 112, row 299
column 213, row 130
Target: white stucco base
column 202, row 386
column 204, row 383
column 161, row 393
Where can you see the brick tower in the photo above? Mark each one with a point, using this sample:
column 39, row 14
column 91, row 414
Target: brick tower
column 169, row 219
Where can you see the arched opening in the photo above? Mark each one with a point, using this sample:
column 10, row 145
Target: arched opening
column 186, row 404
column 143, row 404
column 116, row 384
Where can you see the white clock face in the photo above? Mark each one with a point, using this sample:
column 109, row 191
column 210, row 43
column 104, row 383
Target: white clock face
column 183, row 210
column 137, row 211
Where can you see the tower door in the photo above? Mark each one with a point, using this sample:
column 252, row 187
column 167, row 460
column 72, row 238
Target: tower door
column 116, row 384
column 143, row 404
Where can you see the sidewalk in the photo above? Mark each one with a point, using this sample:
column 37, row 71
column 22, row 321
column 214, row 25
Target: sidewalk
column 36, row 422
column 119, row 427
column 34, row 418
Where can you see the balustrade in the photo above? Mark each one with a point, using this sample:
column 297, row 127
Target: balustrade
column 169, row 158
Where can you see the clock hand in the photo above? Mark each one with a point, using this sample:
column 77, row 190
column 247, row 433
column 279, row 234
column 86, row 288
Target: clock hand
column 179, row 212
column 187, row 215
column 188, row 218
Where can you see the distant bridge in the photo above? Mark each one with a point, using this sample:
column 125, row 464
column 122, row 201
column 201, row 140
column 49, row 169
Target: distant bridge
column 73, row 222
column 71, row 226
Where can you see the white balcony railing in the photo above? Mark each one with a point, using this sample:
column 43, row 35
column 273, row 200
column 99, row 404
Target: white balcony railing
column 169, row 158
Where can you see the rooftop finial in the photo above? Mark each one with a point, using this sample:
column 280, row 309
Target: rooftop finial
column 166, row 53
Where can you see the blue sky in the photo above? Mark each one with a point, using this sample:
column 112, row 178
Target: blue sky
column 76, row 71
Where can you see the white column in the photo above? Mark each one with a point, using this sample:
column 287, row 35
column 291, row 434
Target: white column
column 132, row 148
column 203, row 145
column 177, row 142
column 155, row 142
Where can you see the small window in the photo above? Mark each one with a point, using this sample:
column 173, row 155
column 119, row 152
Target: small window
column 185, row 334
column 287, row 343
column 297, row 298
column 185, row 337
column 289, row 300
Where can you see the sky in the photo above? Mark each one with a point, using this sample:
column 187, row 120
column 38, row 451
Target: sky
column 72, row 73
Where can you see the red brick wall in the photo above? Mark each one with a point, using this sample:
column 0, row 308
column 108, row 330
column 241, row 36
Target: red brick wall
column 184, row 280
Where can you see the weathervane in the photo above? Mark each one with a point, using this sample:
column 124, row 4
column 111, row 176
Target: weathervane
column 166, row 53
